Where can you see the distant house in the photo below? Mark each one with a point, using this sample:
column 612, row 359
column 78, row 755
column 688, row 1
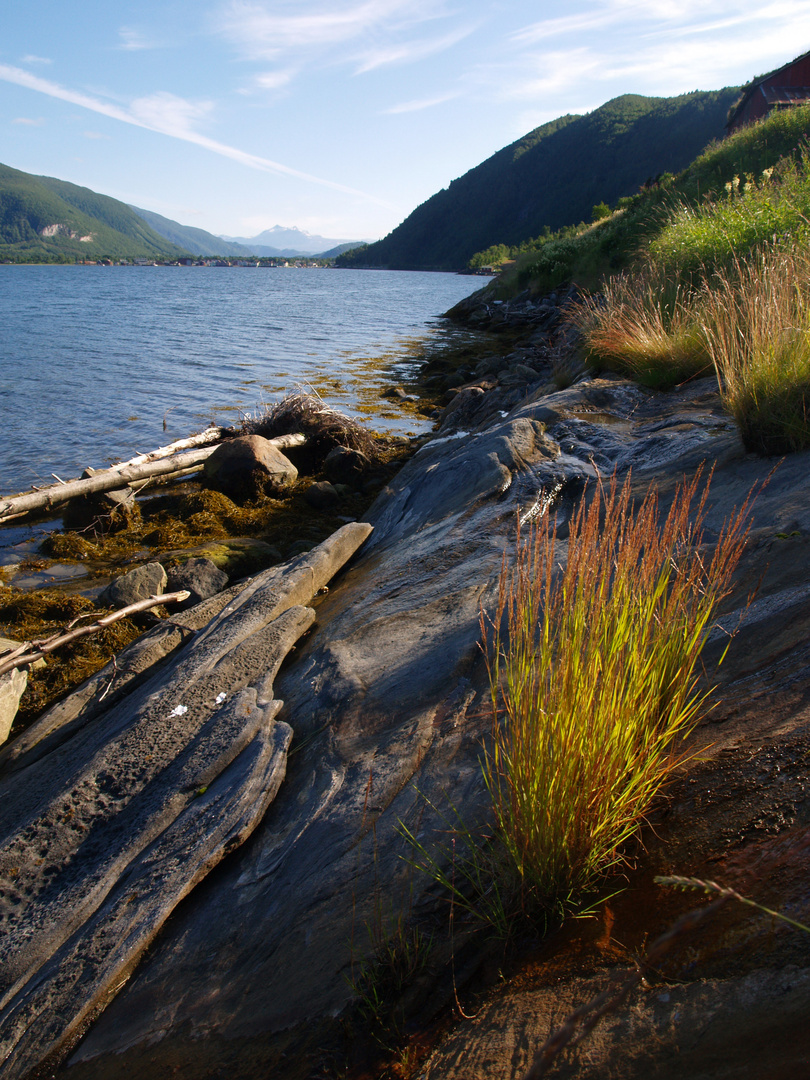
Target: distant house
column 781, row 89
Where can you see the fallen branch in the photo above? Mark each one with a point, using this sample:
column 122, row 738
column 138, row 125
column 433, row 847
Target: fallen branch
column 117, row 477
column 30, row 651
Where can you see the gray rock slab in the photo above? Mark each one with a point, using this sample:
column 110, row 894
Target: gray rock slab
column 106, row 824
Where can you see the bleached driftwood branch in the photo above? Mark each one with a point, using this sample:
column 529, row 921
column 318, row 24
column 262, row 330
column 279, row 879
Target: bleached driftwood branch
column 31, row 651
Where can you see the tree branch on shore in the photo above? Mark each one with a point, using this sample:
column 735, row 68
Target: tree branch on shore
column 31, row 651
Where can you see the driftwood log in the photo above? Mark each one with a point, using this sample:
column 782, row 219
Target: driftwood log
column 118, row 476
column 104, row 834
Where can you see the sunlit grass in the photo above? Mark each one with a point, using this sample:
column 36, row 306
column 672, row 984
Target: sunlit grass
column 645, row 327
column 595, row 682
column 757, row 325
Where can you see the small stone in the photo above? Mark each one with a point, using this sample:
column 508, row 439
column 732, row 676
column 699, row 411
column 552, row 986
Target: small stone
column 345, row 466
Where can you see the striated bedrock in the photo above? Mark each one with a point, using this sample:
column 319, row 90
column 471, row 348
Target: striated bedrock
column 387, row 705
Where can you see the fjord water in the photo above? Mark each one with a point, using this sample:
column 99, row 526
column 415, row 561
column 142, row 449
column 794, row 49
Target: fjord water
column 101, row 363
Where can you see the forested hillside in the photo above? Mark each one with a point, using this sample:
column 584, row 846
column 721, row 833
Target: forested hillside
column 43, row 219
column 552, row 177
column 197, row 241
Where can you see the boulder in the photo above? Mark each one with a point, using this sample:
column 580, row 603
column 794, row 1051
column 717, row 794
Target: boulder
column 322, row 495
column 241, row 468
column 139, row 584
column 201, row 577
column 343, row 465
column 238, row 556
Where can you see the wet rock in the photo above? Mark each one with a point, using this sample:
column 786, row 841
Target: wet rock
column 242, row 467
column 517, row 374
column 201, row 577
column 322, row 495
column 138, row 584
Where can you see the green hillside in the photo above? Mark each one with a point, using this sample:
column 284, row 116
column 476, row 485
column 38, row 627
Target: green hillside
column 552, row 177
column 644, row 221
column 47, row 220
column 197, row 241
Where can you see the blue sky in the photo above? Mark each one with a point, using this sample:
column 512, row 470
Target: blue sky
column 338, row 116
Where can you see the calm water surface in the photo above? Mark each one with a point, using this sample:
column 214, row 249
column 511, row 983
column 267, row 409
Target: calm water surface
column 94, row 361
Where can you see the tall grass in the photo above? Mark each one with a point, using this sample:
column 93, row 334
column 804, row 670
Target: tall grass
column 644, row 326
column 757, row 327
column 594, row 680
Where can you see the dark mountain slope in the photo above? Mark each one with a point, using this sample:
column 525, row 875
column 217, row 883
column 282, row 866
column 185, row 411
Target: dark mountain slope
column 552, row 177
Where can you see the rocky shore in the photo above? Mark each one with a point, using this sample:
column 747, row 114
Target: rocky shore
column 203, row 848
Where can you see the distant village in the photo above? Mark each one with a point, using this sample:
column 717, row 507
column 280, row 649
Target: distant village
column 298, row 264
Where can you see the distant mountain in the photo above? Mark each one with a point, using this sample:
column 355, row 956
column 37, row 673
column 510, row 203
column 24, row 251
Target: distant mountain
column 280, row 242
column 552, row 177
column 43, row 219
column 196, row 241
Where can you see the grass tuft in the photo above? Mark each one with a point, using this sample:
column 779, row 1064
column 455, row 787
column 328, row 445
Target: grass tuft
column 757, row 326
column 644, row 327
column 594, row 681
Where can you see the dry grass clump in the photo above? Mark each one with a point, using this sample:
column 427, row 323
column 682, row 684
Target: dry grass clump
column 757, row 326
column 645, row 327
column 308, row 414
column 594, row 670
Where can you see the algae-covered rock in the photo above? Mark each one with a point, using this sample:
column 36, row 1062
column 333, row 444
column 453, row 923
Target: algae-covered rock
column 238, row 557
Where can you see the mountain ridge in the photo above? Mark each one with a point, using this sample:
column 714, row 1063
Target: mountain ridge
column 551, row 177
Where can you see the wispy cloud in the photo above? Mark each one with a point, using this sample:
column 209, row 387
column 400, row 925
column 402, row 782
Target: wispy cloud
column 625, row 46
column 94, row 135
column 273, row 80
column 173, row 116
column 31, row 59
column 408, row 52
column 261, row 31
column 422, row 103
column 133, row 39
column 29, row 121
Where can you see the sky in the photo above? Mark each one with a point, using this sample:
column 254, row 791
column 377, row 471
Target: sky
column 339, row 117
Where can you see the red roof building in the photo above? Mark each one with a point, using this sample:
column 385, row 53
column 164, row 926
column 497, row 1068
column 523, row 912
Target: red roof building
column 781, row 89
